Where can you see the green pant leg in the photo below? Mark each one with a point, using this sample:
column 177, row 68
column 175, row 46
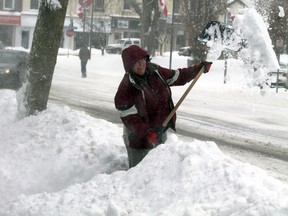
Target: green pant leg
column 136, row 155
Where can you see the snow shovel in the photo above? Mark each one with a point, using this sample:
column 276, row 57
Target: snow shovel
column 218, row 34
column 165, row 123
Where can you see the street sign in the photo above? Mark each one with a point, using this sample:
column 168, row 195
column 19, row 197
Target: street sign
column 69, row 32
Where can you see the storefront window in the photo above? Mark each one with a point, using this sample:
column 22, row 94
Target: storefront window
column 34, row 4
column 9, row 4
column 177, row 7
column 99, row 5
column 126, row 5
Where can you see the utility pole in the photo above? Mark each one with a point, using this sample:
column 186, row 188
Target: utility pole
column 84, row 20
column 91, row 29
column 225, row 52
column 172, row 35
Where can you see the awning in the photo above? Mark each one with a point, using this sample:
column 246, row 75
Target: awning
column 10, row 18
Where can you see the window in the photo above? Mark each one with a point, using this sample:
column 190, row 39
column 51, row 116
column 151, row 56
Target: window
column 137, row 42
column 134, row 24
column 127, row 43
column 123, row 24
column 99, row 5
column 9, row 4
column 126, row 5
column 34, row 4
column 25, row 39
column 177, row 7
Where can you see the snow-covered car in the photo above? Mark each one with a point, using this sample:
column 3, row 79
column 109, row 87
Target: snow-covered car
column 282, row 77
column 13, row 65
column 185, row 51
column 122, row 44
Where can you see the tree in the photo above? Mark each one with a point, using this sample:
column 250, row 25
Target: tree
column 99, row 32
column 277, row 23
column 102, row 29
column 195, row 15
column 263, row 7
column 149, row 14
column 43, row 55
column 97, row 23
column 163, row 35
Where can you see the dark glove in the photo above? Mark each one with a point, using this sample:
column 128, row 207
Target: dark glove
column 205, row 64
column 152, row 137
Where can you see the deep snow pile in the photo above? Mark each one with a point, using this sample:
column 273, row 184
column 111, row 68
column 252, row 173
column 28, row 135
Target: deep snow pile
column 40, row 147
column 68, row 157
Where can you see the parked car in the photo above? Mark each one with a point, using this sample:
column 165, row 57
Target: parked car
column 185, row 51
column 2, row 47
column 13, row 66
column 122, row 44
column 282, row 77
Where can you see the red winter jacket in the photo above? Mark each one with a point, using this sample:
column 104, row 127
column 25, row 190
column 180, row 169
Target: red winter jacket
column 144, row 102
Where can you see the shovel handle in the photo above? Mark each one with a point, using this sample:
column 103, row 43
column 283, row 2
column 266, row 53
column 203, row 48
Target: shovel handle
column 165, row 123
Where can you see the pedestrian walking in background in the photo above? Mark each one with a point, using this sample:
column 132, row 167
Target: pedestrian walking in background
column 84, row 55
column 144, row 100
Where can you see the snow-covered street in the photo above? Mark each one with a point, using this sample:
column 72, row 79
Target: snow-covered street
column 232, row 115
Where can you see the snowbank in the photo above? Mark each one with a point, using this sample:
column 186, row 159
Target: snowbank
column 63, row 162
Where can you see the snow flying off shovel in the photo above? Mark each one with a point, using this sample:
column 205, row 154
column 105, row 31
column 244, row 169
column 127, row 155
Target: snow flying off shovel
column 218, row 34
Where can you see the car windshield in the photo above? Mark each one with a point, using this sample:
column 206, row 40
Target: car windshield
column 10, row 57
column 121, row 42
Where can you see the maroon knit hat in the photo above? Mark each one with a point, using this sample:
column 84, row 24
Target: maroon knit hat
column 131, row 55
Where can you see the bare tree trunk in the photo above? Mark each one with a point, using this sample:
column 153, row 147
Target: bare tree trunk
column 149, row 18
column 46, row 40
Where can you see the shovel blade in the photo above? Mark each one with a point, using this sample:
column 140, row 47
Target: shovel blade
column 219, row 33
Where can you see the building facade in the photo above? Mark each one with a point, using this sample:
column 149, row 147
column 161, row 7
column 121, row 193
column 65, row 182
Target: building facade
column 10, row 21
column 105, row 20
column 101, row 22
